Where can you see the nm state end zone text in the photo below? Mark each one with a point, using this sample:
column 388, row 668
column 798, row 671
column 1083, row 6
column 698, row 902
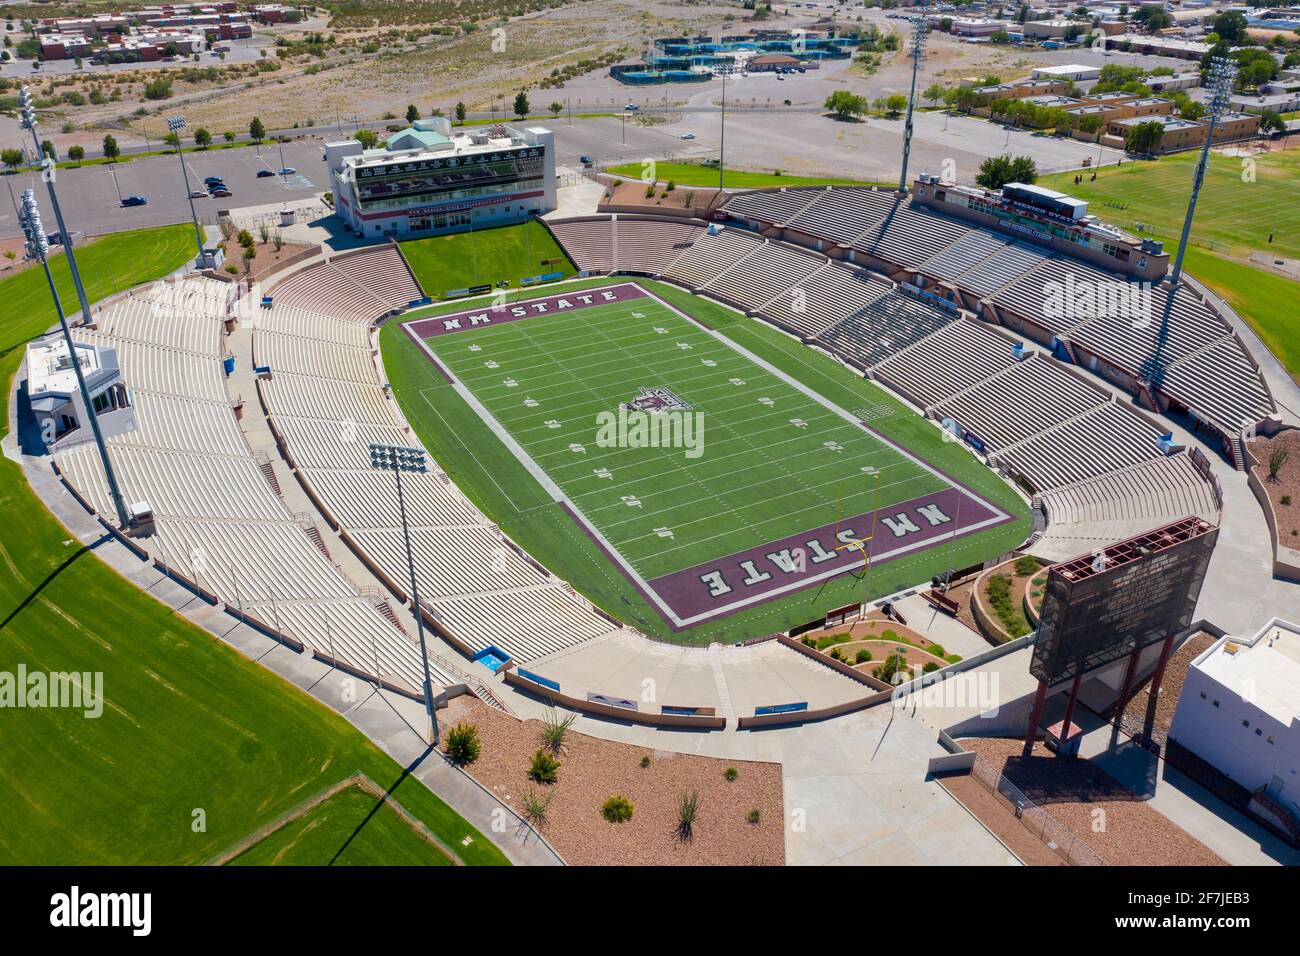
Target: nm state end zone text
column 784, row 490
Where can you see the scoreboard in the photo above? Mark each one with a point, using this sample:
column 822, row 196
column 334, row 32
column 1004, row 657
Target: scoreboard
column 1101, row 607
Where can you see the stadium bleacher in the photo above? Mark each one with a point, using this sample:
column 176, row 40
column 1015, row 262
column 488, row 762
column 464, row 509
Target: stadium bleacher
column 623, row 244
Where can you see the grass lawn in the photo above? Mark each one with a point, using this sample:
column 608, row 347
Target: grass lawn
column 485, row 257
column 1234, row 217
column 493, row 478
column 695, row 174
column 348, row 829
column 190, row 730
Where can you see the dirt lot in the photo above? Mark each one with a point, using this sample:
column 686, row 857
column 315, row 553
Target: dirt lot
column 1093, row 807
column 592, row 770
column 1287, row 485
column 1134, row 720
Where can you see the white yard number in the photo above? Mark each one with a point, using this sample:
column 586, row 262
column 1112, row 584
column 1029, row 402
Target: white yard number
column 491, row 363
column 632, row 501
column 708, row 363
column 833, row 446
column 552, row 423
column 664, row 532
column 476, row 348
column 737, row 381
column 661, row 331
column 685, row 346
column 602, row 473
column 578, row 449
column 798, row 423
column 766, row 401
column 531, row 403
column 509, row 383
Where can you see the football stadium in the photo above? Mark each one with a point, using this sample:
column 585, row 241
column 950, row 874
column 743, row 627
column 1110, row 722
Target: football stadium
column 876, row 524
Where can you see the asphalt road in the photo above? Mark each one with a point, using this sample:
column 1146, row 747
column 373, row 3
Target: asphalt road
column 89, row 196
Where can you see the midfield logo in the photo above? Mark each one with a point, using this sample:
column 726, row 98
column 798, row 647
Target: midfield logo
column 655, row 418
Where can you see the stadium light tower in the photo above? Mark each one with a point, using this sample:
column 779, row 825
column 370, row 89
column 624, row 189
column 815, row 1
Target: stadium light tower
column 27, row 113
column 1222, row 75
column 38, row 247
column 722, row 136
column 397, row 459
column 174, row 126
column 920, row 30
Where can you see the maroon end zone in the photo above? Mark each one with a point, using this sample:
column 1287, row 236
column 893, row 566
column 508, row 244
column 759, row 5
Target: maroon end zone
column 497, row 313
column 760, row 574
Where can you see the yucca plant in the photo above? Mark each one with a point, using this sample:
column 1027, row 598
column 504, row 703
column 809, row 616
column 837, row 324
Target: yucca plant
column 555, row 730
column 688, row 806
column 536, row 805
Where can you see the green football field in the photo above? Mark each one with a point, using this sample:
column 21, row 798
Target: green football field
column 712, row 478
column 772, row 461
column 522, row 496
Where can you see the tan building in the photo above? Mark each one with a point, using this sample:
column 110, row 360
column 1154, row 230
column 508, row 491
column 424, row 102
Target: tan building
column 1187, row 134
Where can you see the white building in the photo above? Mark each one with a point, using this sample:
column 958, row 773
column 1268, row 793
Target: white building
column 427, row 179
column 1238, row 712
column 1077, row 72
column 52, row 384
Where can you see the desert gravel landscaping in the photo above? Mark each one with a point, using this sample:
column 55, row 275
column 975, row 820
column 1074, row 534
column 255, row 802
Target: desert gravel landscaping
column 1284, row 491
column 592, row 770
column 1073, row 791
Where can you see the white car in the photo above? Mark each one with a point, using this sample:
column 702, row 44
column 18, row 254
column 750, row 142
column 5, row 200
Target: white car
column 688, row 135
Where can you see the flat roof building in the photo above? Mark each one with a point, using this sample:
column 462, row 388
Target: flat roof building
column 429, row 178
column 52, row 384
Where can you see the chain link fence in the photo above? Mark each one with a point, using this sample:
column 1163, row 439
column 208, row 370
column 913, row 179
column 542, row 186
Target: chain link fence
column 1070, row 847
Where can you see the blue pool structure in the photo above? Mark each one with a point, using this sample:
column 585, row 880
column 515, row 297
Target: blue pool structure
column 493, row 658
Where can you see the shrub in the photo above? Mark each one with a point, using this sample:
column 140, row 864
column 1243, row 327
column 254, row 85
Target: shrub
column 688, row 808
column 929, row 668
column 753, row 816
column 1286, row 499
column 645, row 761
column 245, row 238
column 730, row 774
column 617, row 809
column 536, row 805
column 862, row 657
column 1025, row 565
column 555, row 730
column 893, row 665
column 463, row 746
column 937, row 650
column 544, row 768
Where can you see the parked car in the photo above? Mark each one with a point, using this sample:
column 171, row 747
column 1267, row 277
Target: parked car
column 198, row 194
column 135, row 201
column 265, row 173
column 586, row 160
column 211, row 179
column 221, row 194
column 288, row 171
column 631, row 107
column 688, row 135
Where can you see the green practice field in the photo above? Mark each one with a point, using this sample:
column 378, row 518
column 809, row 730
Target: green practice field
column 197, row 746
column 484, row 257
column 585, row 362
column 351, row 828
column 696, row 174
column 769, row 461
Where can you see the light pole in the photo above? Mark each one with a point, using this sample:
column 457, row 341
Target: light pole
column 920, row 30
column 27, row 112
column 397, row 459
column 722, row 136
column 38, row 247
column 116, row 187
column 1222, row 74
column 174, row 126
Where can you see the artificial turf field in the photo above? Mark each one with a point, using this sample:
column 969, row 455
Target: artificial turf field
column 767, row 508
column 484, row 257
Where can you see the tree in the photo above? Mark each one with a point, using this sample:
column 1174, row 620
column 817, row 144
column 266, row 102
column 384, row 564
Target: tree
column 846, row 106
column 228, row 136
column 460, row 112
column 1271, row 122
column 996, row 171
column 256, row 130
column 368, row 138
column 521, row 104
column 12, row 158
column 412, row 113
column 48, row 149
column 556, row 108
column 172, row 139
column 1231, row 26
column 202, row 138
column 76, row 153
column 111, row 149
column 159, row 89
column 934, row 93
column 895, row 104
column 1144, row 137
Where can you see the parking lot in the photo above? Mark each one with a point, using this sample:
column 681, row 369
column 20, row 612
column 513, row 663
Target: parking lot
column 89, row 194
